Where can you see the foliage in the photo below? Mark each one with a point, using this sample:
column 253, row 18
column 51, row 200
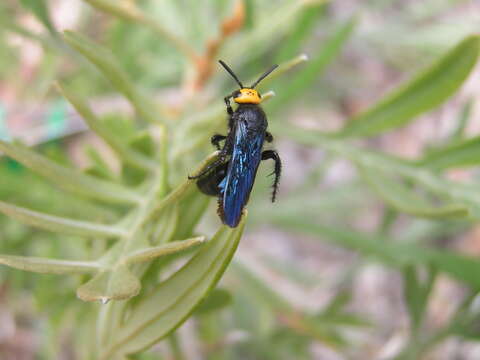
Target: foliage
column 131, row 237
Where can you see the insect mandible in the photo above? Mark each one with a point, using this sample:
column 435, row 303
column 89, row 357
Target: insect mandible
column 231, row 176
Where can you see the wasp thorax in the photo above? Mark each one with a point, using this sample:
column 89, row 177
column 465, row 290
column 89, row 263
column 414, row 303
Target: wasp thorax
column 247, row 96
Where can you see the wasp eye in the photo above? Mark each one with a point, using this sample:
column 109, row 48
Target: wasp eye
column 259, row 95
column 236, row 93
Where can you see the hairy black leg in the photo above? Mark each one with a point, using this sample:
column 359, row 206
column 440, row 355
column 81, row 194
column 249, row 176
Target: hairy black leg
column 220, row 160
column 229, row 107
column 272, row 154
column 222, row 157
column 215, row 140
column 268, row 137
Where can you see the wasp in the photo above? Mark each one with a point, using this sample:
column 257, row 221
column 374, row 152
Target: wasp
column 231, row 176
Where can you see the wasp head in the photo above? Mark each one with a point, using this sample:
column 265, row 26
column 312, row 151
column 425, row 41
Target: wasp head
column 247, row 96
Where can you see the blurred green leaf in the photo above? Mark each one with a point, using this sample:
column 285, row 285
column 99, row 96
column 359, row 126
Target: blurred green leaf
column 216, row 300
column 59, row 224
column 416, row 294
column 423, row 93
column 195, row 205
column 335, row 312
column 49, row 266
column 174, row 247
column 458, row 192
column 104, row 60
column 127, row 154
column 70, row 179
column 40, row 9
column 463, row 119
column 404, row 199
column 173, row 300
column 259, row 289
column 129, row 12
column 303, row 28
column 116, row 284
column 310, row 73
column 462, row 267
column 98, row 167
column 461, row 154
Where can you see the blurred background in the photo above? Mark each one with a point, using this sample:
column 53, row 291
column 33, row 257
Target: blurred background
column 335, row 269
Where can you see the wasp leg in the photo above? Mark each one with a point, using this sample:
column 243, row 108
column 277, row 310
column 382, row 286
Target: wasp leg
column 215, row 140
column 229, row 107
column 222, row 157
column 272, row 154
column 268, row 137
column 220, row 160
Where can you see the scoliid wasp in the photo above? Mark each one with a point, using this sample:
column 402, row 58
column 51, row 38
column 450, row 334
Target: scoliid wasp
column 231, row 176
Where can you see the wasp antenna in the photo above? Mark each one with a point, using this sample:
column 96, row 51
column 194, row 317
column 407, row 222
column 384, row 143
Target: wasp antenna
column 230, row 71
column 265, row 74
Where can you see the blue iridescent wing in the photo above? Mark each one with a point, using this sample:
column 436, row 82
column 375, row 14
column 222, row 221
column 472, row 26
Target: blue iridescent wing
column 237, row 185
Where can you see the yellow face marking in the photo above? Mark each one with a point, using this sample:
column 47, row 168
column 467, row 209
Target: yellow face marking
column 248, row 96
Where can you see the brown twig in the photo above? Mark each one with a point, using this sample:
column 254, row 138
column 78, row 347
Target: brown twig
column 205, row 64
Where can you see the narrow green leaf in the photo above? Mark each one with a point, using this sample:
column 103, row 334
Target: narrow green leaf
column 129, row 12
column 310, row 73
column 69, row 179
column 216, row 300
column 49, row 266
column 104, row 60
column 416, row 294
column 40, row 10
column 462, row 193
column 116, row 284
column 119, row 9
column 194, row 204
column 170, row 304
column 278, row 23
column 259, row 289
column 98, row 167
column 461, row 267
column 174, row 247
column 128, row 155
column 59, row 224
column 423, row 93
column 303, row 27
column 400, row 197
column 461, row 154
column 163, row 229
column 464, row 268
column 462, row 121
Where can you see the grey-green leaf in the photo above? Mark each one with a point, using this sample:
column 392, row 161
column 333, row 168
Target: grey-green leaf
column 461, row 267
column 173, row 247
column 306, row 77
column 216, row 300
column 460, row 154
column 116, row 284
column 170, row 304
column 69, row 179
column 417, row 293
column 104, row 60
column 127, row 154
column 40, row 9
column 400, row 197
column 423, row 93
column 48, row 266
column 60, row 224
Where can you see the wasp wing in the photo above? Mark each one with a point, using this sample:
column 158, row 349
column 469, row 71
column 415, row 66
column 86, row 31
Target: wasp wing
column 237, row 185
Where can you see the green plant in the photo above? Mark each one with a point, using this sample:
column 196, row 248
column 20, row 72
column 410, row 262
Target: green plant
column 136, row 222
